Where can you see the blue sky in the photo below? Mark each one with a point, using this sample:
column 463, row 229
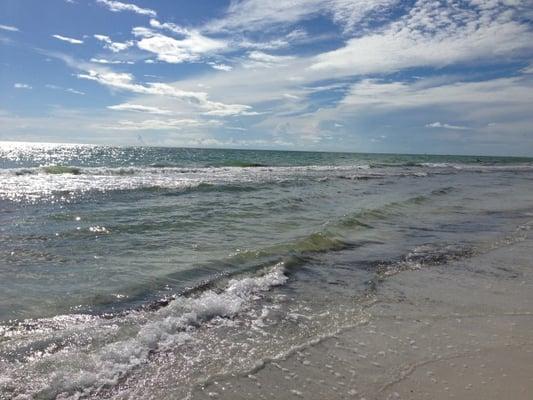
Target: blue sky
column 452, row 77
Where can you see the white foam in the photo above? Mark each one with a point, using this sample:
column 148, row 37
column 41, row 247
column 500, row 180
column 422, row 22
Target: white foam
column 77, row 371
column 35, row 184
column 437, row 165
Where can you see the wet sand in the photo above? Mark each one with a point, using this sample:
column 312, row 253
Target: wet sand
column 461, row 330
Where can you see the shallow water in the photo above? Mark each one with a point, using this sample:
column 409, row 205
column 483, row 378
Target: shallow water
column 169, row 267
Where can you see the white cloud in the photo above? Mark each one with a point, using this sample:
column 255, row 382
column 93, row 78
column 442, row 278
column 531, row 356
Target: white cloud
column 259, row 59
column 70, row 90
column 118, row 80
column 402, row 95
column 68, row 39
column 194, row 42
column 9, row 28
column 95, row 126
column 125, row 81
column 225, row 110
column 273, row 44
column 258, row 15
column 221, row 67
column 22, row 86
column 74, row 91
column 115, row 47
column 353, row 81
column 175, row 51
column 105, row 61
column 117, row 6
column 268, row 58
column 154, row 23
column 432, row 34
column 294, row 37
column 246, row 85
column 139, row 108
column 446, row 126
column 428, row 35
column 158, row 124
column 351, row 13
column 380, row 138
column 290, row 96
column 528, row 69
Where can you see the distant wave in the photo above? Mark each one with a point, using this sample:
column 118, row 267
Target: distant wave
column 59, row 182
column 56, row 183
column 242, row 164
column 61, row 169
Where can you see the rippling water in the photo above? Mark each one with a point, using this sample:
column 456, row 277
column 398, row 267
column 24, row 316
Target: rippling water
column 115, row 261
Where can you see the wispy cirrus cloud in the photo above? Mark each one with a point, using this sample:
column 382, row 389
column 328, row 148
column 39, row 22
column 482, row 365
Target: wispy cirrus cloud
column 294, row 37
column 117, row 6
column 260, row 59
column 515, row 91
column 162, row 124
column 68, row 39
column 106, row 61
column 74, row 91
column 9, row 28
column 139, row 108
column 22, row 86
column 198, row 100
column 440, row 125
column 69, row 90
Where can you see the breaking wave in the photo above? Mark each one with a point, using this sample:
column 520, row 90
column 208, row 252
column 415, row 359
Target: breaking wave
column 62, row 182
column 85, row 354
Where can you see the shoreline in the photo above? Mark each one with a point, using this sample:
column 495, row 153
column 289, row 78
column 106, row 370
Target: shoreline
column 462, row 330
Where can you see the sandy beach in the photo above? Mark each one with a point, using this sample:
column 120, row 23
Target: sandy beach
column 462, row 330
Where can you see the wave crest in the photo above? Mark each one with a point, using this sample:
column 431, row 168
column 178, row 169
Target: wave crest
column 83, row 369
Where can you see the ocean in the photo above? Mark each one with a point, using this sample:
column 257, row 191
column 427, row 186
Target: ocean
column 143, row 272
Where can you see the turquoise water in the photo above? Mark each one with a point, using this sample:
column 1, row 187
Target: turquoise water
column 115, row 256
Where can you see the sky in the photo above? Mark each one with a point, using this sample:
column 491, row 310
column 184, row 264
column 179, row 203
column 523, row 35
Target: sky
column 439, row 77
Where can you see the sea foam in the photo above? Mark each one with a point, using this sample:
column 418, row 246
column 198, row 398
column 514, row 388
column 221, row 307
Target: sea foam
column 58, row 183
column 75, row 372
